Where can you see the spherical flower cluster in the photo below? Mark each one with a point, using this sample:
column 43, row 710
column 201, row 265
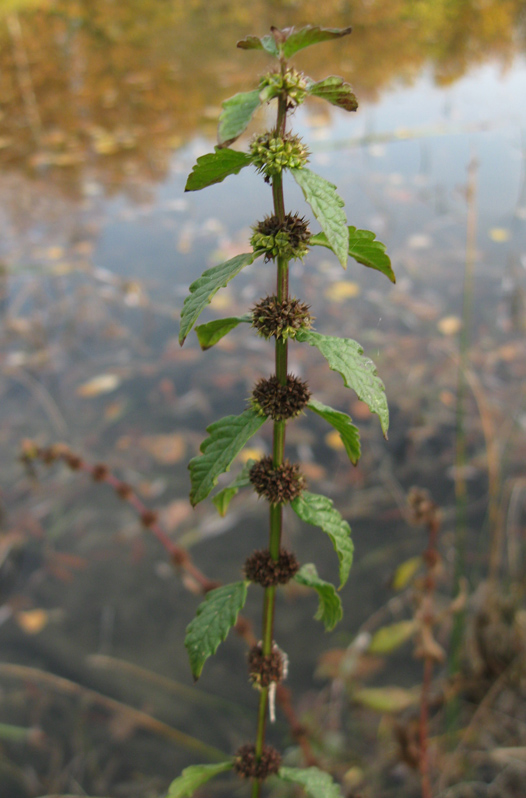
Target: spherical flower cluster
column 271, row 153
column 249, row 766
column 278, row 484
column 292, row 84
column 282, row 239
column 282, row 319
column 261, row 568
column 267, row 669
column 278, row 401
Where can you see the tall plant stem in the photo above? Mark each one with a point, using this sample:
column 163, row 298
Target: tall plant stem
column 278, row 451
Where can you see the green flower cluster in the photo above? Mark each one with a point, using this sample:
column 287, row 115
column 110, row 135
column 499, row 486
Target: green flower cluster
column 271, row 154
column 287, row 239
column 292, row 84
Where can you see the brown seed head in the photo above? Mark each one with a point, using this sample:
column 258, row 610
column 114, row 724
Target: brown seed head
column 278, row 484
column 248, row 766
column 283, row 319
column 278, row 401
column 265, row 669
column 261, row 568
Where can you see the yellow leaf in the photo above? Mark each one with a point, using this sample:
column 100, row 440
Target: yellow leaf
column 385, row 699
column 389, row 638
column 333, row 440
column 405, row 572
column 449, row 325
column 250, row 454
column 499, row 234
column 166, row 449
column 32, row 621
column 103, row 383
column 342, row 290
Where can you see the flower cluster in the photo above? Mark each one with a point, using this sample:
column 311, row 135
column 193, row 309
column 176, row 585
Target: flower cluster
column 266, row 669
column 261, row 568
column 286, row 239
column 278, row 484
column 282, row 319
column 278, row 401
column 271, row 153
column 292, row 84
column 249, row 766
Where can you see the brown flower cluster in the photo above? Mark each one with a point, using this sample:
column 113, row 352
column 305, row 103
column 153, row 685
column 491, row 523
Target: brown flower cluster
column 278, row 484
column 278, row 401
column 262, row 569
column 248, row 766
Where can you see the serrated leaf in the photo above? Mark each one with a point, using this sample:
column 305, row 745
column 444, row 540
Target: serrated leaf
column 330, row 607
column 225, row 496
column 405, row 572
column 314, row 781
column 225, row 440
column 193, row 777
column 358, row 372
column 215, row 616
column 389, row 638
column 320, row 511
column 205, row 288
column 386, row 699
column 235, row 116
column 335, row 91
column 364, row 249
column 209, row 334
column 266, row 43
column 343, row 424
column 215, row 166
column 304, row 37
column 327, row 206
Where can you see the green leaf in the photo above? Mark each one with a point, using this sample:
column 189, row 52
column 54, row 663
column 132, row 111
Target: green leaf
column 205, row 287
column 215, row 166
column 266, row 43
column 364, row 249
column 235, row 116
column 335, row 91
column 386, row 699
column 226, row 439
column 327, row 206
column 212, row 332
column 330, row 607
column 320, row 511
column 343, row 424
column 389, row 638
column 225, row 496
column 315, row 782
column 304, row 37
column 193, row 777
column 359, row 373
column 214, row 618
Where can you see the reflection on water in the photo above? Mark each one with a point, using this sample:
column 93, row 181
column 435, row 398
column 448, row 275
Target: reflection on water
column 103, row 109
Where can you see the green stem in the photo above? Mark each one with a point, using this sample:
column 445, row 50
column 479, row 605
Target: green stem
column 276, row 510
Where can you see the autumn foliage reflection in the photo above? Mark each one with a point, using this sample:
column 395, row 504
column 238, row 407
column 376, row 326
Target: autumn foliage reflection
column 105, row 91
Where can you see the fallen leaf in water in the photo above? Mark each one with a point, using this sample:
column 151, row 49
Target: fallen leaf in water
column 250, row 454
column 334, row 440
column 342, row 290
column 499, row 234
column 166, row 449
column 175, row 513
column 103, row 383
column 449, row 325
column 32, row 621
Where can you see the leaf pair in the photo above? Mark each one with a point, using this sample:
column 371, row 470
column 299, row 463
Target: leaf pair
column 219, row 610
column 315, row 782
column 286, row 43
